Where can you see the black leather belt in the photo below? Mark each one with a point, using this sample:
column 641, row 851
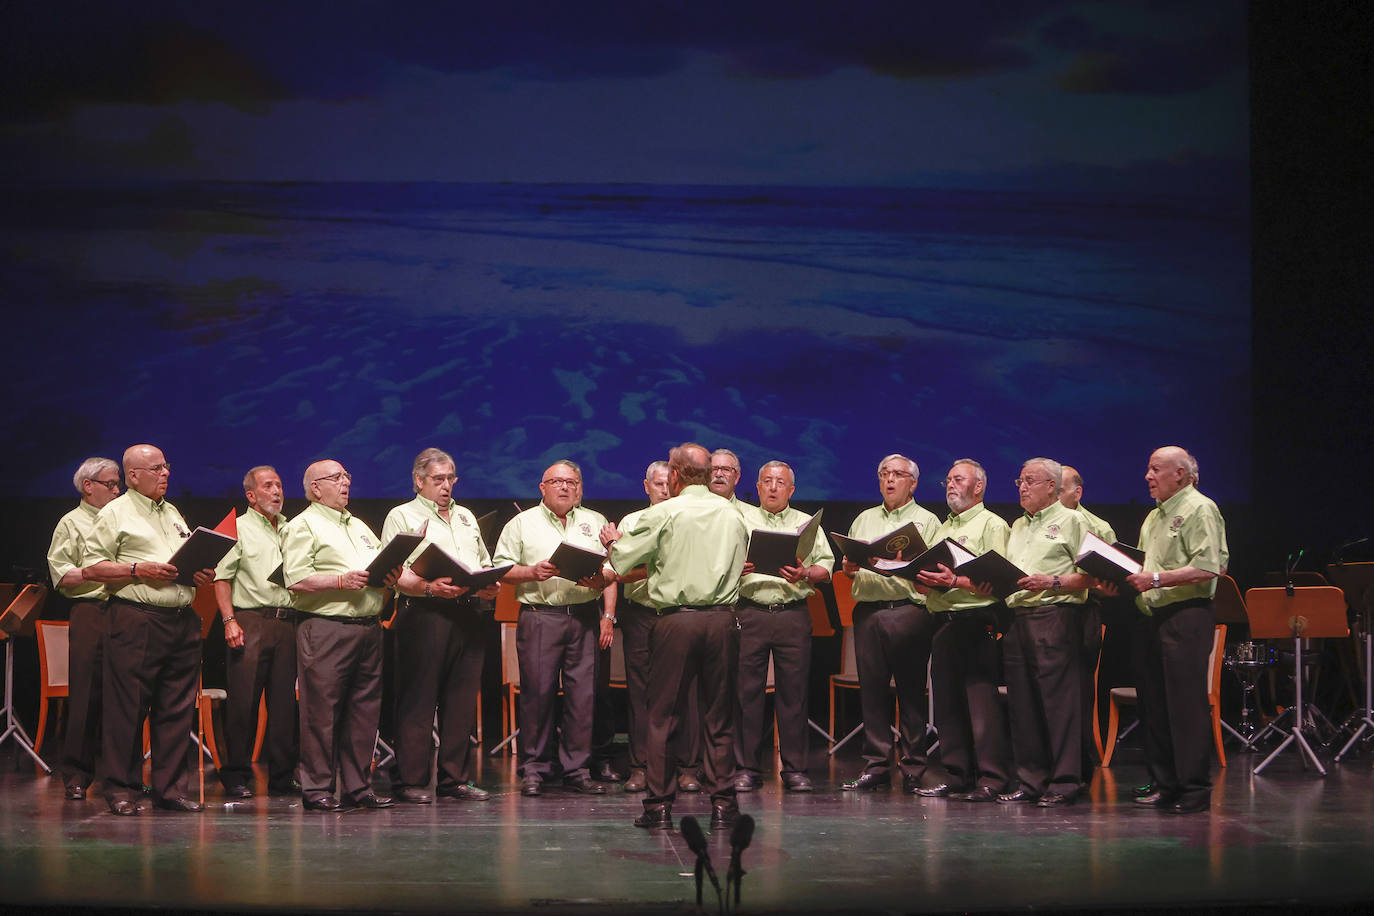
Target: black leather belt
column 665, row 611
column 151, row 608
column 339, row 618
column 461, row 603
column 640, row 607
column 883, row 605
column 271, row 613
column 568, row 610
column 797, row 605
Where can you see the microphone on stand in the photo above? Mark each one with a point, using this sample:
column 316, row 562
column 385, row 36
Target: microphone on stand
column 696, row 841
column 1288, row 571
column 740, row 838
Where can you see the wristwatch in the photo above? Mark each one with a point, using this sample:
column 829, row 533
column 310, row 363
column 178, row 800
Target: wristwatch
column 1154, row 583
column 610, row 617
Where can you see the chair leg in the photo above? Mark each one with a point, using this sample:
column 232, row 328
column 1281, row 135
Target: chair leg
column 207, row 725
column 1216, row 734
column 42, row 724
column 832, row 713
column 1109, row 743
column 262, row 729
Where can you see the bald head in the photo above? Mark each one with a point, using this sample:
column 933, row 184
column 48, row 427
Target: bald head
column 1071, row 489
column 146, row 471
column 1170, row 470
column 327, row 483
column 688, row 464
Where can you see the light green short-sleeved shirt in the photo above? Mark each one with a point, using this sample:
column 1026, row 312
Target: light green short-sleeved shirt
column 459, row 535
column 637, row 591
column 533, row 536
column 1097, row 526
column 977, row 530
column 771, row 589
column 1045, row 544
column 131, row 528
column 325, row 540
column 875, row 522
column 68, row 549
column 694, row 545
column 250, row 562
column 1185, row 530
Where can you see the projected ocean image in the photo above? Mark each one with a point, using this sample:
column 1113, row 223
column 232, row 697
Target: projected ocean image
column 513, row 324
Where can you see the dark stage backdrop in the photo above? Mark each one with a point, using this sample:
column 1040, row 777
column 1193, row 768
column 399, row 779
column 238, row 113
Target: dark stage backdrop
column 811, row 230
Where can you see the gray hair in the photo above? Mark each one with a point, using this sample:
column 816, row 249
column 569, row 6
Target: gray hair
column 777, row 463
column 426, row 458
column 568, row 462
column 659, row 465
column 88, row 469
column 911, row 465
column 979, row 474
column 729, row 454
column 250, row 480
column 1053, row 468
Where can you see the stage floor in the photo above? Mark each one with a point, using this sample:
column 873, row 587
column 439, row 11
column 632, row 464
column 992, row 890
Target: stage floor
column 1282, row 838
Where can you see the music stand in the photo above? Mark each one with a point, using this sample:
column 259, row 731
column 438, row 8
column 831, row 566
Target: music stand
column 21, row 605
column 1312, row 612
column 1355, row 579
column 1230, row 610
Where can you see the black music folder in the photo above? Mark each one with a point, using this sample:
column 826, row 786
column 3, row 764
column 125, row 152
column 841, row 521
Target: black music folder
column 577, row 563
column 1108, row 562
column 202, row 550
column 394, row 554
column 434, row 562
column 906, row 540
column 770, row 551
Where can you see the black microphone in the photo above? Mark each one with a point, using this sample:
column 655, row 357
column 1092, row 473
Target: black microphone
column 696, row 841
column 740, row 838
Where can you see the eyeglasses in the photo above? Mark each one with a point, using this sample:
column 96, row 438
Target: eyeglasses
column 884, row 475
column 725, row 470
column 561, row 481
column 444, row 478
column 111, row 485
column 156, row 469
column 1029, row 481
column 957, row 480
column 334, row 478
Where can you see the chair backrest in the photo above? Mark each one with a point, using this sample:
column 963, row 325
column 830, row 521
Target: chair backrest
column 820, row 616
column 507, row 608
column 848, row 665
column 510, row 659
column 52, row 655
column 1214, row 664
column 1229, row 602
column 844, row 597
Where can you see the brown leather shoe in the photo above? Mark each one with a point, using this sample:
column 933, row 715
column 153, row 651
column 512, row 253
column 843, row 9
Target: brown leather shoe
column 638, row 781
column 687, row 782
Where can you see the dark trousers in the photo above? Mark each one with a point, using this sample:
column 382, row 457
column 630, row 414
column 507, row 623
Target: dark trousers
column 1091, row 620
column 965, row 669
column 264, row 665
column 440, row 648
column 893, row 644
column 1041, row 654
column 151, row 667
column 550, row 643
column 85, row 670
column 636, row 622
column 1173, row 698
column 786, row 635
column 340, row 667
column 687, row 645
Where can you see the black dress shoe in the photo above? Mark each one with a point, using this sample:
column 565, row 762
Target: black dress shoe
column 655, row 817
column 323, row 803
column 1019, row 797
column 289, row 787
column 747, row 781
column 868, row 782
column 941, row 791
column 467, row 792
column 1057, row 800
column 532, row 786
column 237, row 791
column 1156, row 799
column 605, row 771
column 371, row 800
column 795, row 782
column 584, row 785
column 723, row 815
column 1195, row 803
column 413, row 795
column 1148, row 789
column 74, row 793
column 180, row 803
column 638, row 781
column 687, row 782
column 977, row 794
column 123, row 807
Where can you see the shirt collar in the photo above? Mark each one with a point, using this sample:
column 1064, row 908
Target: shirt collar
column 911, row 501
column 334, row 515
column 264, row 519
column 969, row 513
column 780, row 516
column 145, row 502
column 1172, row 502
